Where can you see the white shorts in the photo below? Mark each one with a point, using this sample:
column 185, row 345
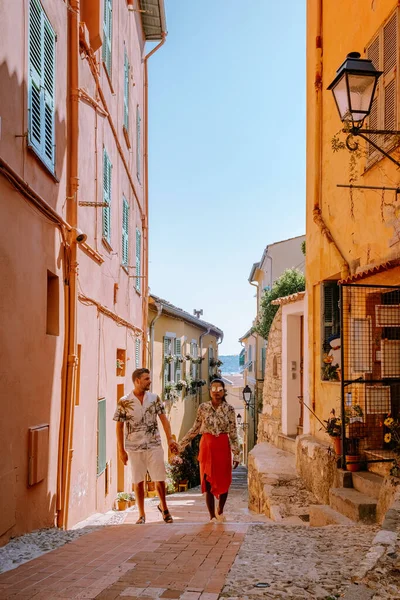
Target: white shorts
column 142, row 461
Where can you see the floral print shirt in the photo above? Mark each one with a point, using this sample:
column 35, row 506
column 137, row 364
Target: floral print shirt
column 141, row 427
column 215, row 421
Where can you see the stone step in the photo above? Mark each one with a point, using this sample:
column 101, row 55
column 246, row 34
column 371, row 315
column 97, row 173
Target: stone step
column 287, row 443
column 353, row 504
column 322, row 514
column 367, row 483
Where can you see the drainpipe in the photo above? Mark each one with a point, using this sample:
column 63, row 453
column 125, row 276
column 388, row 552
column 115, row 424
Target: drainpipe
column 145, row 227
column 317, row 213
column 152, row 324
column 70, row 351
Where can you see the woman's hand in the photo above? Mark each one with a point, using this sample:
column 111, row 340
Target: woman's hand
column 235, row 464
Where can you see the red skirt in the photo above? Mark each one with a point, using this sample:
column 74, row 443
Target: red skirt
column 215, row 460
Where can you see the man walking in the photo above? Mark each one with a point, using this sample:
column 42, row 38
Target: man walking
column 138, row 411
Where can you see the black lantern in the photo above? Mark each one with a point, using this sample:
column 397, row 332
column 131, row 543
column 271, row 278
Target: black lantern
column 246, row 395
column 354, row 87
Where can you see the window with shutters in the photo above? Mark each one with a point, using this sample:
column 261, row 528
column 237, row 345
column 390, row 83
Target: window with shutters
column 138, row 285
column 178, row 363
column 126, row 91
column 138, row 144
column 210, row 358
column 330, row 325
column 41, row 85
column 125, row 233
column 137, row 353
column 107, row 36
column 107, row 168
column 194, row 351
column 384, row 53
column 169, row 367
column 101, row 436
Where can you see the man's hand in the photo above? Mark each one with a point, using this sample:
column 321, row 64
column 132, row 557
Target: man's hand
column 173, row 446
column 123, row 456
column 235, row 464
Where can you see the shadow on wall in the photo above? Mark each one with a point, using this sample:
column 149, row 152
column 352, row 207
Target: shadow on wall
column 32, row 313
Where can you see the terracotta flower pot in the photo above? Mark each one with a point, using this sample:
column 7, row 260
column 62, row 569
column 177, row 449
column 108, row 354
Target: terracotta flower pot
column 355, row 459
column 337, row 444
column 122, row 504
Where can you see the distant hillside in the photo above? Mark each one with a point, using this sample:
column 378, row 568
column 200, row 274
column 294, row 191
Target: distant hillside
column 231, row 363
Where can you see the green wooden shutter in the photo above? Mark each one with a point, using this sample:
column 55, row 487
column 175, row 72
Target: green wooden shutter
column 107, row 35
column 178, row 366
column 41, row 84
column 137, row 353
column 107, row 167
column 138, row 143
column 101, row 436
column 125, row 232
column 138, row 259
column 126, row 91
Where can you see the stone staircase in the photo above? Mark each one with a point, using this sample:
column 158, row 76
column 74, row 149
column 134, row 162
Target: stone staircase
column 355, row 500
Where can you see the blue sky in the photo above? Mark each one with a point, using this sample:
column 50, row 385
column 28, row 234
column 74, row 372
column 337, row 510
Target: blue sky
column 227, row 151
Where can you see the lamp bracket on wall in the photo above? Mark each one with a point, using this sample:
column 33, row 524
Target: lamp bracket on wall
column 354, row 131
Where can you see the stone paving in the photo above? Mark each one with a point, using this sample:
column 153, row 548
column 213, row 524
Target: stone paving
column 247, row 557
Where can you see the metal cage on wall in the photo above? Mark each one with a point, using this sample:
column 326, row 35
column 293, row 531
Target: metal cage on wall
column 370, row 372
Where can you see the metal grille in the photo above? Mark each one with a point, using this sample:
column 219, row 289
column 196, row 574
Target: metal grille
column 370, row 371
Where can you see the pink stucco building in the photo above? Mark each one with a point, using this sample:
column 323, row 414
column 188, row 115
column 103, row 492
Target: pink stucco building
column 74, row 256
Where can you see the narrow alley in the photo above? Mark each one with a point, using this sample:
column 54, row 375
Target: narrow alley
column 247, row 557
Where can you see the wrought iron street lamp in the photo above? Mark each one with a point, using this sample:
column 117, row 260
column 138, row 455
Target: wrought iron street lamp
column 247, row 396
column 353, row 90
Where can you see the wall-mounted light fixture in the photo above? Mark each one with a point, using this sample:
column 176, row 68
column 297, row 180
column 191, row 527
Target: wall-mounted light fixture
column 353, row 90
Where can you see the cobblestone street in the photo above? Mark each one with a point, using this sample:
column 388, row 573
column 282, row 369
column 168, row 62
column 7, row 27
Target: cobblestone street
column 247, row 557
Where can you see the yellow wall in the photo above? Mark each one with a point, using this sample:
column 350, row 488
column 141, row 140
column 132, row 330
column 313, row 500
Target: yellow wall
column 361, row 223
column 183, row 412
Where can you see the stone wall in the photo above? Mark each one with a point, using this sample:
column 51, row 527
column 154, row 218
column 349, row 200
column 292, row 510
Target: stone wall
column 316, row 465
column 270, row 423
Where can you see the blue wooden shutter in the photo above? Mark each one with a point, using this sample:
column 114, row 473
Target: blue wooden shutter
column 107, row 35
column 101, row 436
column 126, row 91
column 138, row 144
column 125, row 232
column 41, row 84
column 138, row 259
column 107, row 197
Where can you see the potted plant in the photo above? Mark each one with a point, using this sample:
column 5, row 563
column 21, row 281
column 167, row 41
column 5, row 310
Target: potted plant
column 392, row 439
column 333, row 428
column 122, row 500
column 169, row 358
column 132, row 499
column 215, row 362
column 181, row 385
column 355, row 430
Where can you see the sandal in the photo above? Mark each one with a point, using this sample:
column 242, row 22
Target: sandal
column 141, row 521
column 166, row 515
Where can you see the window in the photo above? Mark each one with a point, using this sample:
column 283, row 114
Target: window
column 107, row 168
column 383, row 51
column 169, row 349
column 138, row 259
column 138, row 143
column 263, row 359
column 178, row 364
column 331, row 313
column 125, row 232
column 210, row 359
column 107, row 36
column 121, row 362
column 137, row 353
column 101, row 436
column 126, row 91
column 194, row 351
column 41, row 85
column 52, row 308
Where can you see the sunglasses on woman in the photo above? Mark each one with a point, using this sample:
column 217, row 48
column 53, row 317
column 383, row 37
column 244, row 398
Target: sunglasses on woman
column 217, row 389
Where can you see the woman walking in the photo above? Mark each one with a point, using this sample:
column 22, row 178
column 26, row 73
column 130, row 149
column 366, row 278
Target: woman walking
column 216, row 422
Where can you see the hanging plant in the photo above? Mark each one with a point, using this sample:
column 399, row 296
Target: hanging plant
column 181, row 385
column 180, row 359
column 169, row 358
column 195, row 360
column 171, row 392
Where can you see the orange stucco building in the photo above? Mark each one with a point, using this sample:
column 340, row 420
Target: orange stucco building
column 353, row 232
column 74, row 267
